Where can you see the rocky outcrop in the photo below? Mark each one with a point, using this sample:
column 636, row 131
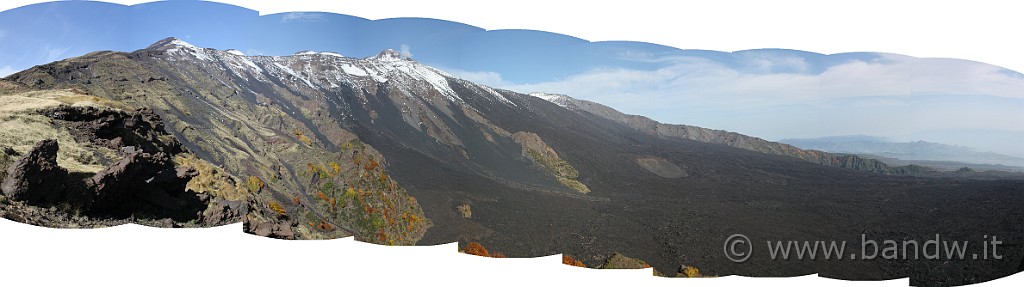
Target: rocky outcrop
column 543, row 155
column 270, row 229
column 141, row 130
column 133, row 174
column 141, row 178
column 224, row 211
column 7, row 156
column 465, row 210
column 36, row 177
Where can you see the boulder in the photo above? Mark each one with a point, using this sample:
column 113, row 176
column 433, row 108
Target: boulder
column 36, row 177
column 270, row 229
column 126, row 178
column 225, row 211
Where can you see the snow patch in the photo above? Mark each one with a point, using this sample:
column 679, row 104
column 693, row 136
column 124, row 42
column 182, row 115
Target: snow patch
column 555, row 99
column 180, row 43
column 497, row 95
column 181, row 47
column 235, row 52
column 293, row 74
column 353, row 70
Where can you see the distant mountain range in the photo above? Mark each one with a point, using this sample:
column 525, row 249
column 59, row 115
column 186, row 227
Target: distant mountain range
column 907, row 151
column 317, row 145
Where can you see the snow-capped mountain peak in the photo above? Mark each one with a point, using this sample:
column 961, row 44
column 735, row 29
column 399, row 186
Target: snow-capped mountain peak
column 170, row 43
column 175, row 46
column 325, row 72
column 390, row 55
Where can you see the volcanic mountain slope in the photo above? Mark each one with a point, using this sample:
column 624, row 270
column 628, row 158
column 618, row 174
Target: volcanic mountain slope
column 649, row 126
column 311, row 135
column 305, row 176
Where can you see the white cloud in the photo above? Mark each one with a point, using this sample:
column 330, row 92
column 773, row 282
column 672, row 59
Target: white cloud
column 888, row 96
column 54, row 54
column 302, row 17
column 404, row 51
column 703, row 80
column 6, row 71
column 487, row 78
column 772, row 62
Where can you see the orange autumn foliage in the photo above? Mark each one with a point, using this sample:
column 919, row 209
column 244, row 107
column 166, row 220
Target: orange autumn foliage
column 568, row 260
column 325, row 226
column 371, row 165
column 477, row 249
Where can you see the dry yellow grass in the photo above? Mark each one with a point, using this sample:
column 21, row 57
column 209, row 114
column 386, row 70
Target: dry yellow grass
column 211, row 179
column 20, row 103
column 34, row 100
column 21, row 128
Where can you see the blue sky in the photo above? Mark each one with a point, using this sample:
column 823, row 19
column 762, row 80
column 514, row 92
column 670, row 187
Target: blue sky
column 768, row 93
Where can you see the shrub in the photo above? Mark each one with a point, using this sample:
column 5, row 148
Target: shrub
column 689, row 272
column 255, row 184
column 335, row 167
column 350, row 193
column 303, row 138
column 477, row 249
column 277, row 207
column 568, row 260
column 371, row 165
